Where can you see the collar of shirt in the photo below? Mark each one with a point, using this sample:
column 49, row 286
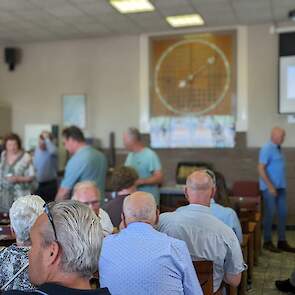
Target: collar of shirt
column 273, row 144
column 139, row 226
column 196, row 207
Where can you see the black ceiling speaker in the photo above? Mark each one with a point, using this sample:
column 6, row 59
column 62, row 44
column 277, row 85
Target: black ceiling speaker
column 11, row 57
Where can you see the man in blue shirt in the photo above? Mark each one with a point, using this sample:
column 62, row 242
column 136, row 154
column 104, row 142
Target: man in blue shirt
column 229, row 217
column 141, row 260
column 86, row 163
column 46, row 165
column 145, row 161
column 272, row 182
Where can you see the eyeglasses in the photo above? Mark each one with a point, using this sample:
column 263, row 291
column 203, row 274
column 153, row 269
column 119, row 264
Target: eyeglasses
column 49, row 215
column 92, row 203
column 211, row 174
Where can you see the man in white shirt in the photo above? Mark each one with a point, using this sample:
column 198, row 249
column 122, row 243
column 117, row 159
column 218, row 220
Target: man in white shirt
column 88, row 193
column 207, row 237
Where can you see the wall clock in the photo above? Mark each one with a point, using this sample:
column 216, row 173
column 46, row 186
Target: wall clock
column 192, row 77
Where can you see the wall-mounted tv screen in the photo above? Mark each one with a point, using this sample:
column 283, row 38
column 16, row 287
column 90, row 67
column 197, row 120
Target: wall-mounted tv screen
column 287, row 85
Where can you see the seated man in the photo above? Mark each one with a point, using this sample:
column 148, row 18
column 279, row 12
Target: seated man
column 141, row 260
column 123, row 183
column 87, row 192
column 66, row 242
column 207, row 237
column 287, row 286
column 226, row 214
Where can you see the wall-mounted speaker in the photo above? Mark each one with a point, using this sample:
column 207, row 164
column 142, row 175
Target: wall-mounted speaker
column 11, row 57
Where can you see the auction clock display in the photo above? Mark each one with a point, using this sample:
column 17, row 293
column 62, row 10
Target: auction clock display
column 193, row 75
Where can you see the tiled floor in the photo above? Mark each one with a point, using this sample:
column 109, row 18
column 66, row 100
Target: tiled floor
column 273, row 267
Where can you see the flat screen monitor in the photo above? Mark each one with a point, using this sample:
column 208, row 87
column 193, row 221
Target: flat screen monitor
column 287, row 85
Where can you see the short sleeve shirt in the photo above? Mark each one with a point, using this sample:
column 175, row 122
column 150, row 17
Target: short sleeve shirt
column 86, row 164
column 273, row 159
column 207, row 238
column 145, row 162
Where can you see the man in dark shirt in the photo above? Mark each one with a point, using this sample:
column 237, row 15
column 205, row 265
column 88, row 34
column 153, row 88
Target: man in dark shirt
column 123, row 183
column 66, row 242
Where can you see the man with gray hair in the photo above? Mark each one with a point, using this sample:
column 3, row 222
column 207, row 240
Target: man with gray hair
column 88, row 193
column 145, row 161
column 141, row 260
column 207, row 237
column 66, row 243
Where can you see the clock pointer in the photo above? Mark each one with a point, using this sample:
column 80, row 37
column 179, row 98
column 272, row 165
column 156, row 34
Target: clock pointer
column 191, row 77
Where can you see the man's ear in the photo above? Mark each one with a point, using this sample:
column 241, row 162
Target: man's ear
column 52, row 253
column 157, row 216
column 186, row 193
column 123, row 219
column 213, row 192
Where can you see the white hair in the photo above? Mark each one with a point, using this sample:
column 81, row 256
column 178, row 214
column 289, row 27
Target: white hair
column 84, row 185
column 145, row 212
column 79, row 234
column 23, row 214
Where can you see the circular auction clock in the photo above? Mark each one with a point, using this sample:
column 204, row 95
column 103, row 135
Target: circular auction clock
column 192, row 77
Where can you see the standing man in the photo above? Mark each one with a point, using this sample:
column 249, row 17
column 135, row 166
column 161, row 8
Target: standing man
column 145, row 161
column 46, row 165
column 272, row 182
column 86, row 163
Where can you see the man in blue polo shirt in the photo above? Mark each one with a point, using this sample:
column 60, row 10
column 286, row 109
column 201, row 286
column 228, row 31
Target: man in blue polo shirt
column 86, row 163
column 146, row 163
column 272, row 182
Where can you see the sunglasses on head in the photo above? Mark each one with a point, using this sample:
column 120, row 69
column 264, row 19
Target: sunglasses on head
column 49, row 215
column 211, row 174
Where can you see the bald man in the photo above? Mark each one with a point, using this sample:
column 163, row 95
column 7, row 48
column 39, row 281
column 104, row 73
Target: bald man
column 272, row 182
column 207, row 237
column 88, row 193
column 141, row 260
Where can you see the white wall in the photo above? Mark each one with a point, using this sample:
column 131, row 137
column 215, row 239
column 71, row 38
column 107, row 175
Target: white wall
column 106, row 70
column 263, row 88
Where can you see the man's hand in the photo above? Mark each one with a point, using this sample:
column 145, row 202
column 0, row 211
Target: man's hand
column 272, row 190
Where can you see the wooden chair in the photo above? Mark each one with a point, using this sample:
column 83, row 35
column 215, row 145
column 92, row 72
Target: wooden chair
column 249, row 210
column 242, row 289
column 246, row 188
column 204, row 270
column 249, row 229
column 4, row 218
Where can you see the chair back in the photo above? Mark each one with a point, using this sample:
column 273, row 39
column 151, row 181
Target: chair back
column 246, row 188
column 204, row 270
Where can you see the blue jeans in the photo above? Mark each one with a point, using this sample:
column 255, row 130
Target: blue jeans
column 270, row 204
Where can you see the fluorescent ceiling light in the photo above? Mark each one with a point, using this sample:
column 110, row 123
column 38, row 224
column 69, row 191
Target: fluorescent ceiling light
column 132, row 6
column 187, row 20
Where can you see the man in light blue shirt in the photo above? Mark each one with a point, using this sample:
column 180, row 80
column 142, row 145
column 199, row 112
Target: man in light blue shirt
column 229, row 217
column 46, row 165
column 272, row 182
column 86, row 163
column 206, row 237
column 145, row 161
column 141, row 260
